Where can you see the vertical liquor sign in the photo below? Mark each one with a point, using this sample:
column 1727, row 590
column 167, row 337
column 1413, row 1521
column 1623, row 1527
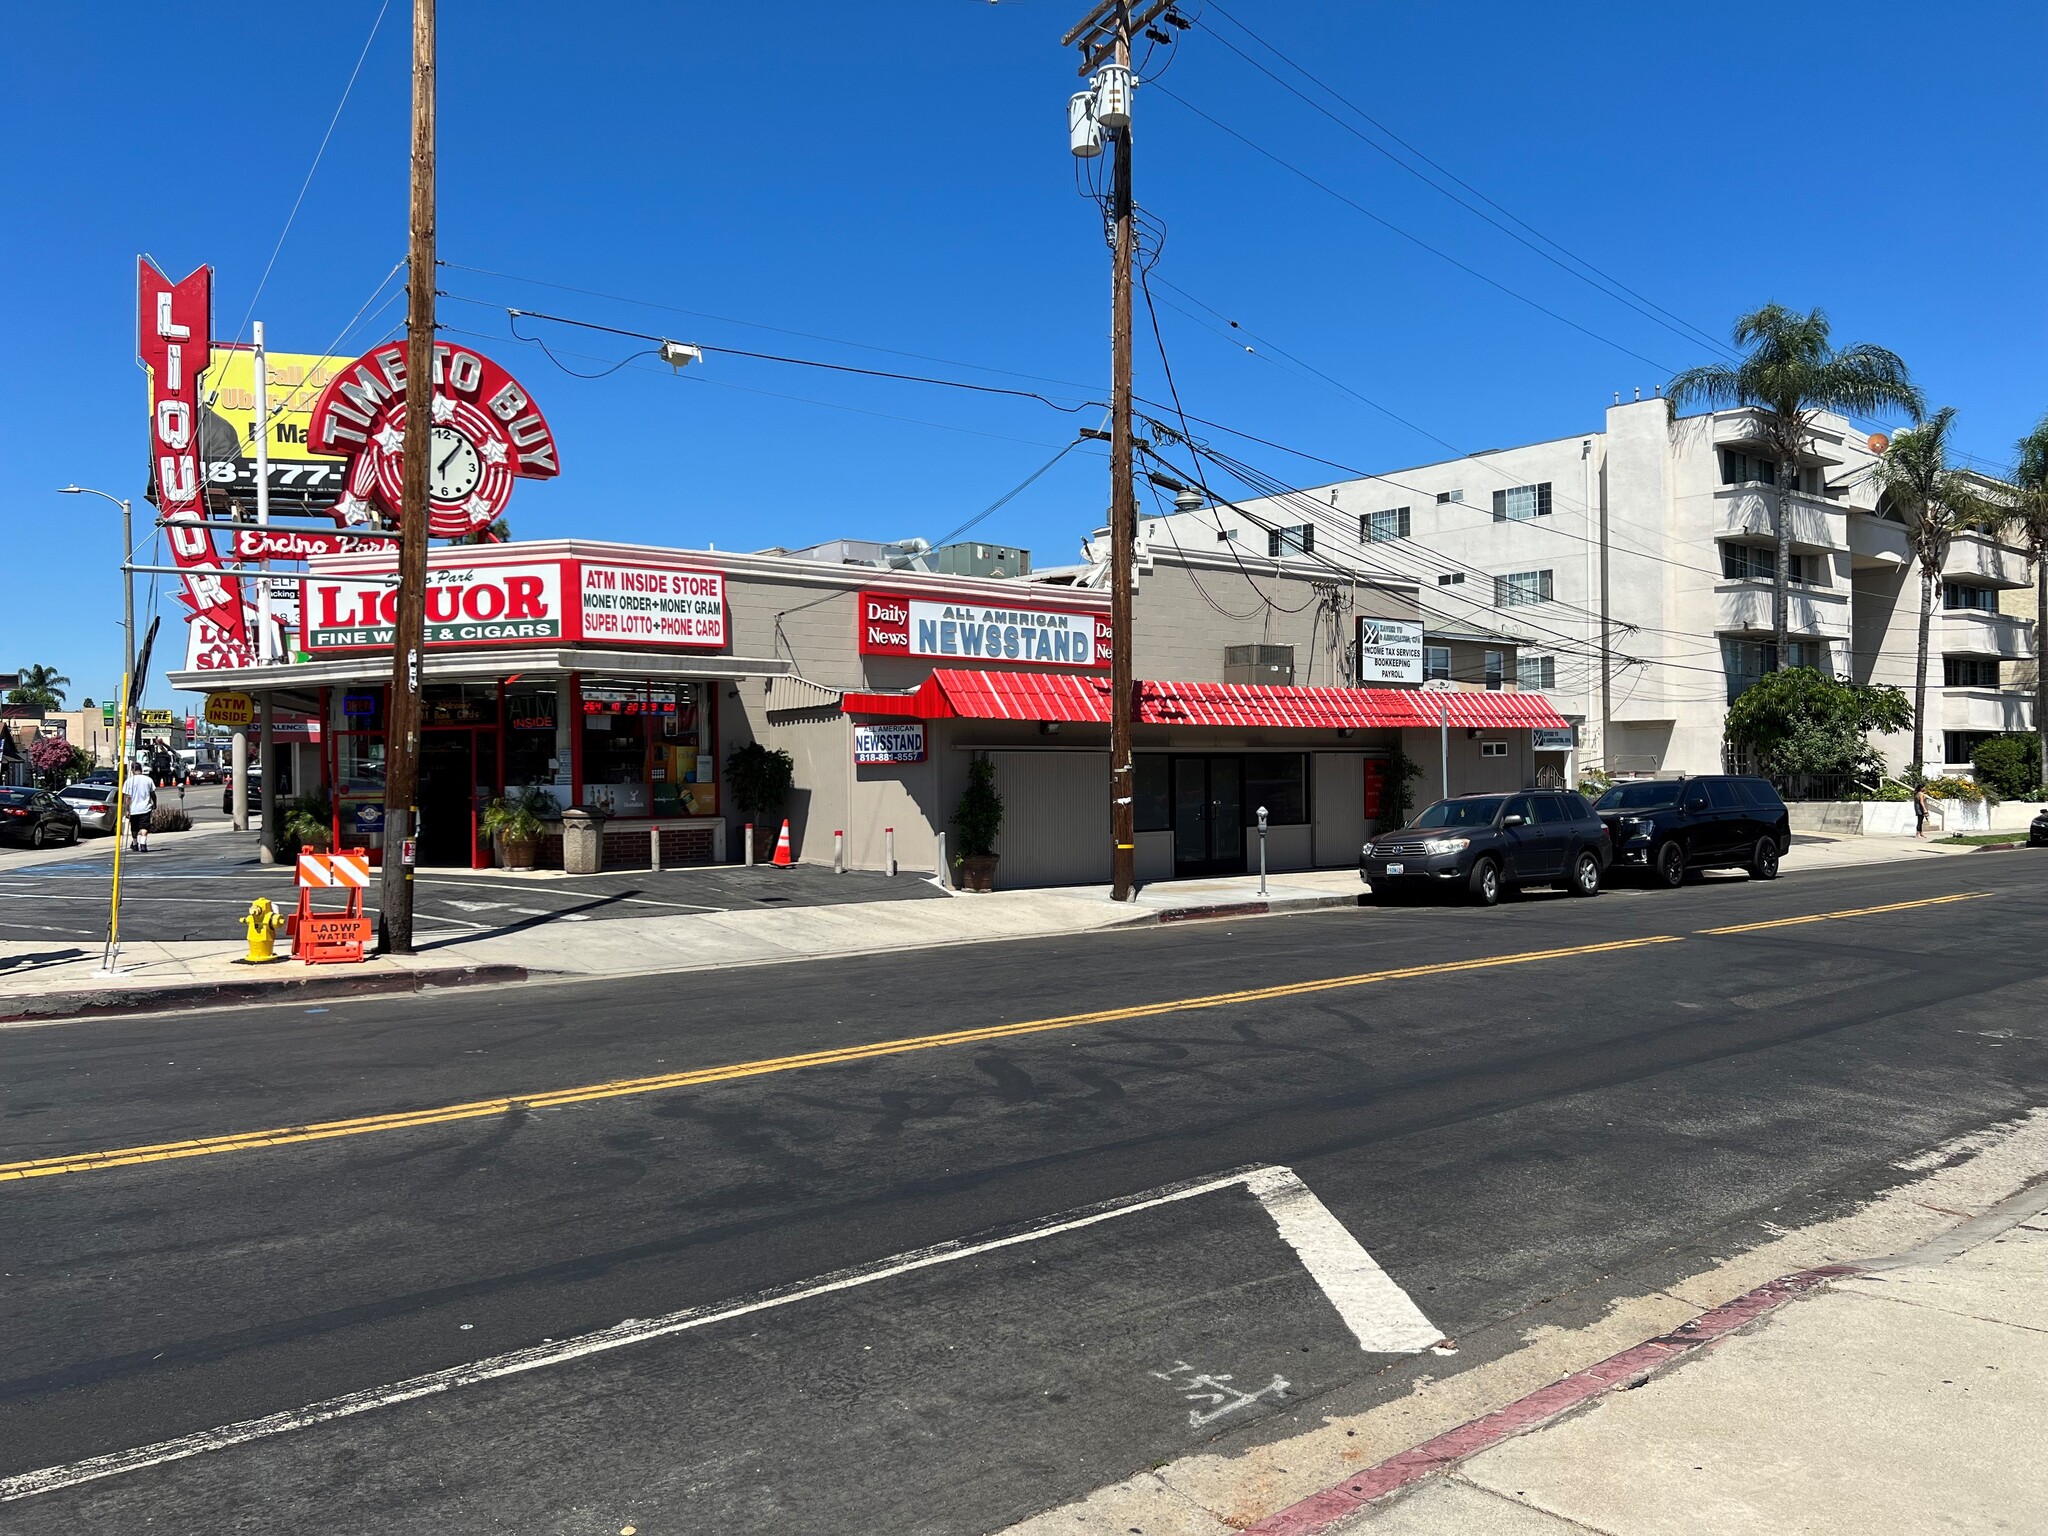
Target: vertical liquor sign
column 174, row 341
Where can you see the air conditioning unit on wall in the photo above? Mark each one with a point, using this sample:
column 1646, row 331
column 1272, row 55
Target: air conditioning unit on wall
column 1272, row 665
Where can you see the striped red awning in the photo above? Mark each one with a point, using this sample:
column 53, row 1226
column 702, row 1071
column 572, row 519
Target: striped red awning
column 950, row 694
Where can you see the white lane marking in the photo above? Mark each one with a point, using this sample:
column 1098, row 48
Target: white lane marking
column 1380, row 1315
column 1268, row 1183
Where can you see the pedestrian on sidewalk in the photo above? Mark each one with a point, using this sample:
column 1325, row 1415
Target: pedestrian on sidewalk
column 138, row 791
column 1919, row 810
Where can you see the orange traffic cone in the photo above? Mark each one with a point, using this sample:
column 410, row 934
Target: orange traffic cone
column 782, row 845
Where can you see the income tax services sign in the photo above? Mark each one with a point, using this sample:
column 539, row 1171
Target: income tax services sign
column 525, row 603
column 966, row 629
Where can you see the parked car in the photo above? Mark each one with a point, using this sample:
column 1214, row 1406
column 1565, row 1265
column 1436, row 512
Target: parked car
column 227, row 793
column 98, row 805
column 35, row 818
column 1670, row 827
column 1482, row 845
column 2037, row 831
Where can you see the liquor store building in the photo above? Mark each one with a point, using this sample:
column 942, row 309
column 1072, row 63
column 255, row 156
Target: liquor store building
column 621, row 678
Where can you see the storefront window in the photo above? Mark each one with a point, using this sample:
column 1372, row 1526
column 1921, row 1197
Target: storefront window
column 359, row 768
column 530, row 715
column 459, row 704
column 648, row 749
column 1151, row 796
column 1279, row 782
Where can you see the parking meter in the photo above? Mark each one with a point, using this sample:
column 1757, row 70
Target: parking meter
column 1262, row 850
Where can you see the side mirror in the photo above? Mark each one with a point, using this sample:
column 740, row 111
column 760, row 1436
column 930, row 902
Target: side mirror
column 1510, row 821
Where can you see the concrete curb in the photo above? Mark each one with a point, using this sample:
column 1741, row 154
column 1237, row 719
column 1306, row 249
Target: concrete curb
column 174, row 995
column 1631, row 1368
column 1258, row 908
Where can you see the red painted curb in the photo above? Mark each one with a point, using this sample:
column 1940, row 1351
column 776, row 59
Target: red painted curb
column 1319, row 1511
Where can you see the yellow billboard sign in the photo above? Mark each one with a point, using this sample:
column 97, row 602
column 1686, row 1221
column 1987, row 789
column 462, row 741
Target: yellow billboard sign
column 301, row 481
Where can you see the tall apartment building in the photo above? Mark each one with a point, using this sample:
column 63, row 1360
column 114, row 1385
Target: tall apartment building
column 1636, row 565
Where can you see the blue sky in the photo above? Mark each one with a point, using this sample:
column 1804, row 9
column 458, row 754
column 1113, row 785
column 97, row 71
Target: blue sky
column 834, row 179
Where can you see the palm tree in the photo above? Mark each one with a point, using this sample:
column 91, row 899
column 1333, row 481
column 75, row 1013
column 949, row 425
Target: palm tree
column 2026, row 521
column 43, row 687
column 1913, row 479
column 1790, row 373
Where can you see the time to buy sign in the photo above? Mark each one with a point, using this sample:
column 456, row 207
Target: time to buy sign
column 961, row 629
column 525, row 603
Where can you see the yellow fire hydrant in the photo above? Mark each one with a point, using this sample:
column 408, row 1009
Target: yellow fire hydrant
column 263, row 923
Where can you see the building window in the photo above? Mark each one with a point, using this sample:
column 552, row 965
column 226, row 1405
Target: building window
column 1291, row 541
column 1744, row 661
column 1436, row 662
column 1279, row 782
column 1493, row 749
column 1755, row 562
column 1519, row 503
column 1958, row 597
column 1495, row 676
column 1226, row 535
column 1746, row 469
column 1382, row 527
column 1151, row 795
column 1969, row 672
column 1961, row 746
column 1536, row 671
column 1451, row 579
column 1445, row 498
column 1521, row 588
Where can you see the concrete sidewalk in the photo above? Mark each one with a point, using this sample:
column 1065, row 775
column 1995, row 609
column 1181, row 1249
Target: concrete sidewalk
column 1906, row 1398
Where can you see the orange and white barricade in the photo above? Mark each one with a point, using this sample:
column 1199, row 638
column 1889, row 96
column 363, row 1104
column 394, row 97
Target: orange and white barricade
column 321, row 936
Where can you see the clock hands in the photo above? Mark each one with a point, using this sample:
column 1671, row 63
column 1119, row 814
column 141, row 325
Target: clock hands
column 442, row 467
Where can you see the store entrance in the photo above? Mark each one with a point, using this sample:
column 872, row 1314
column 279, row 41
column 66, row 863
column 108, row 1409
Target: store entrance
column 1208, row 816
column 458, row 770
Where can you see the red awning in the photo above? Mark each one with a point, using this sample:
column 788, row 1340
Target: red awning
column 957, row 694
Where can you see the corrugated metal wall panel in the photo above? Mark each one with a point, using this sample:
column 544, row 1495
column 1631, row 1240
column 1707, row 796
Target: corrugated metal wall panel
column 1055, row 818
column 1339, row 807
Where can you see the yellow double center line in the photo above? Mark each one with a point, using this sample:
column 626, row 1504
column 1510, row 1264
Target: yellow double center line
column 480, row 1109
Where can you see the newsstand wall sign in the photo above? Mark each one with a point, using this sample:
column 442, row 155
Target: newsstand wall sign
column 533, row 603
column 964, row 629
column 174, row 340
column 486, row 432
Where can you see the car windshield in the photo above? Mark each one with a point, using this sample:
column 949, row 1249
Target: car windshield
column 1462, row 813
column 1660, row 795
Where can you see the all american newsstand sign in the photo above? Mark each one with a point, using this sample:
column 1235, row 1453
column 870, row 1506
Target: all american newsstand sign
column 533, row 602
column 965, row 629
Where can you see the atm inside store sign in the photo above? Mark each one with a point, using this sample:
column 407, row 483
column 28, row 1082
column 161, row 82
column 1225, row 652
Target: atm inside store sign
column 526, row 603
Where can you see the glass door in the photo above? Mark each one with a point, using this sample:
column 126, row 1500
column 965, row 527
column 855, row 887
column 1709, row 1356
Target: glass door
column 1208, row 816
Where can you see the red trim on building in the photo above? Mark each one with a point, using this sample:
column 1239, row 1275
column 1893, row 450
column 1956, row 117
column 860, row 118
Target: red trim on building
column 954, row 694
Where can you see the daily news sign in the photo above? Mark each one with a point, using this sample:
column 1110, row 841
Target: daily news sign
column 526, row 603
column 959, row 629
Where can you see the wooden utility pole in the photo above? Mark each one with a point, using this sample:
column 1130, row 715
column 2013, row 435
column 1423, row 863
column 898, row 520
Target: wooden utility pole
column 402, row 707
column 1104, row 36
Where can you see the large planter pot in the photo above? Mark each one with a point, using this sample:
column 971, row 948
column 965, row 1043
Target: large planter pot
column 978, row 873
column 518, row 853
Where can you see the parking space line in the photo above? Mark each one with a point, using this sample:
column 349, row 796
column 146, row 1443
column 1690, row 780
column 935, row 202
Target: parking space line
column 1827, row 917
column 282, row 1136
column 1304, row 1223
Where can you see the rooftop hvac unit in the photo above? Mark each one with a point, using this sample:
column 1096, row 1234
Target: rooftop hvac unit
column 1272, row 665
column 996, row 560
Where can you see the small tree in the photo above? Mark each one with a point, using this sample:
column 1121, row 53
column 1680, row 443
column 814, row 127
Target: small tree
column 760, row 779
column 49, row 758
column 979, row 816
column 1803, row 721
column 41, row 687
column 2009, row 766
column 1399, row 796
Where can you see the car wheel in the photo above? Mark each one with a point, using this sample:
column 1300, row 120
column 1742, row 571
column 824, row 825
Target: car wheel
column 1585, row 879
column 1667, row 866
column 36, row 835
column 1763, row 863
column 1485, row 883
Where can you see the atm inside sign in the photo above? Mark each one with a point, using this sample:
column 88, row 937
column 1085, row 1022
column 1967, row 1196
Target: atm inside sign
column 230, row 709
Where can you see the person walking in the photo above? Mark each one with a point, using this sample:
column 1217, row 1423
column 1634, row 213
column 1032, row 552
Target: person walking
column 1919, row 810
column 138, row 792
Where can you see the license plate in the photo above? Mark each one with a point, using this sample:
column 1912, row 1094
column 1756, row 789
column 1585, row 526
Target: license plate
column 1395, row 869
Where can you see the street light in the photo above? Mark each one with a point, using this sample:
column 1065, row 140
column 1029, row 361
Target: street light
column 127, row 577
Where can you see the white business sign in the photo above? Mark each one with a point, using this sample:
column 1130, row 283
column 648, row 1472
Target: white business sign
column 889, row 743
column 1389, row 651
column 1550, row 738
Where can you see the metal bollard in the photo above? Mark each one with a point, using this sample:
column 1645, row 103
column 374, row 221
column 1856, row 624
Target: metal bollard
column 838, row 850
column 889, row 849
column 654, row 849
column 940, row 872
column 750, row 843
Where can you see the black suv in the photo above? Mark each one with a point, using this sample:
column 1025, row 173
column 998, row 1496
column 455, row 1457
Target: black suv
column 1668, row 827
column 1485, row 844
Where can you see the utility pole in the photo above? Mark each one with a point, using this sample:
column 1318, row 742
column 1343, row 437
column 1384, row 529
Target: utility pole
column 402, row 707
column 266, row 850
column 1104, row 39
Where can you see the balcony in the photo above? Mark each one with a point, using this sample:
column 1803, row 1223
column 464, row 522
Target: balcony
column 1985, row 709
column 1987, row 562
column 1744, row 607
column 1878, row 541
column 1972, row 632
column 1751, row 511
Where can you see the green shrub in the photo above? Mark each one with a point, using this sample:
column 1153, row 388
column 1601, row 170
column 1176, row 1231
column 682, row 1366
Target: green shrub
column 759, row 778
column 1953, row 789
column 308, row 823
column 979, row 816
column 169, row 818
column 1892, row 790
column 2009, row 766
column 1593, row 783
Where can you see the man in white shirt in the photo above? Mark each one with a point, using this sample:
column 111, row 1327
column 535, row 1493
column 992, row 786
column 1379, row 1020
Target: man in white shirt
column 138, row 793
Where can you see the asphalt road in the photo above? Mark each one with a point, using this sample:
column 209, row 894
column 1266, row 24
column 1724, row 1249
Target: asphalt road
column 199, row 887
column 1520, row 1123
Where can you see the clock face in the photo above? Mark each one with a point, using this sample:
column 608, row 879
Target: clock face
column 453, row 465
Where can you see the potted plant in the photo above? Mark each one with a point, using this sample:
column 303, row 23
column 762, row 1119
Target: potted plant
column 760, row 779
column 307, row 824
column 979, row 820
column 515, row 827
